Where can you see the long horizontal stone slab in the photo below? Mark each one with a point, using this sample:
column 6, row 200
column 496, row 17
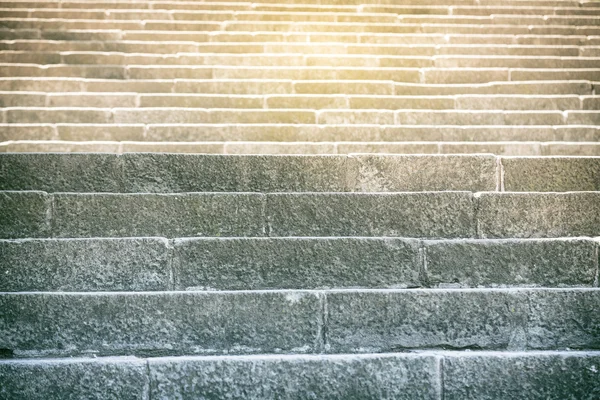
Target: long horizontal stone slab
column 382, row 320
column 286, row 133
column 149, row 323
column 150, row 264
column 101, row 378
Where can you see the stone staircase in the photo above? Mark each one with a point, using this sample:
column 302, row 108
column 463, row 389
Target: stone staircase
column 284, row 258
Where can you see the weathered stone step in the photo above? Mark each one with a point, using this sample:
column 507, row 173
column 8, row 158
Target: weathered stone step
column 149, row 264
column 295, row 16
column 171, row 134
column 297, row 26
column 173, row 115
column 279, row 147
column 300, row 101
column 405, row 214
column 426, row 375
column 297, row 60
column 406, row 75
column 332, row 321
column 288, row 86
column 172, row 173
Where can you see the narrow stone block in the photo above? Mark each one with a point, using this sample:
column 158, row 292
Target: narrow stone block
column 164, row 323
column 537, row 375
column 551, row 174
column 24, row 214
column 109, row 378
column 84, row 265
column 295, row 263
column 231, row 173
column 485, row 263
column 167, row 215
column 448, row 214
column 404, row 376
column 396, row 173
column 523, row 215
column 61, row 172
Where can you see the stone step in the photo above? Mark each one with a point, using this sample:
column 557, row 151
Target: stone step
column 172, row 173
column 504, row 148
column 460, row 75
column 156, row 264
column 401, row 214
column 426, row 375
column 171, row 134
column 288, row 86
column 370, row 61
column 368, row 16
column 300, row 101
column 297, row 26
column 331, row 321
column 173, row 115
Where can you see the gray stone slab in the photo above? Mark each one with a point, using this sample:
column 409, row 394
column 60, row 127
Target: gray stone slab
column 523, row 215
column 295, row 263
column 111, row 378
column 447, row 214
column 296, row 377
column 151, row 323
column 395, row 173
column 380, row 321
column 536, row 376
column 551, row 174
column 84, row 265
column 561, row 319
column 24, row 214
column 199, row 173
column 61, row 172
column 485, row 263
column 167, row 215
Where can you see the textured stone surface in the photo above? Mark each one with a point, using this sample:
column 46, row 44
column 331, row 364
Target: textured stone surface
column 160, row 323
column 296, row 377
column 394, row 173
column 111, row 378
column 61, row 172
column 522, row 215
column 551, row 174
column 24, row 214
column 447, row 214
column 295, row 263
column 475, row 263
column 196, row 173
column 170, row 215
column 509, row 376
column 380, row 321
column 83, row 265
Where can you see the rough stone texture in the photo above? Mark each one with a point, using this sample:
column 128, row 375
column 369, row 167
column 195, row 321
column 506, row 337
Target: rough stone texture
column 198, row 173
column 448, row 214
column 168, row 215
column 536, row 376
column 295, row 263
column 84, row 265
column 61, row 172
column 380, row 321
column 485, row 263
column 111, row 378
column 24, row 214
column 551, row 174
column 392, row 173
column 296, row 377
column 522, row 215
column 160, row 323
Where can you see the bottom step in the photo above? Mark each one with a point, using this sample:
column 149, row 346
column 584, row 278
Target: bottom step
column 425, row 375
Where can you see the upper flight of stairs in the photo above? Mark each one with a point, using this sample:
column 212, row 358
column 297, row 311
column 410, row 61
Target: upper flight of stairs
column 283, row 258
